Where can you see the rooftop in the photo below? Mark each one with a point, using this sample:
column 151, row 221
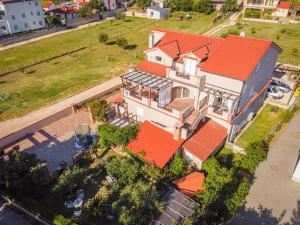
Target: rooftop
column 284, row 5
column 206, row 139
column 191, row 183
column 151, row 67
column 154, row 144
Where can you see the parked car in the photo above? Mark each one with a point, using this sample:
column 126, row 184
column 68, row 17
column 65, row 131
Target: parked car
column 281, row 85
column 274, row 92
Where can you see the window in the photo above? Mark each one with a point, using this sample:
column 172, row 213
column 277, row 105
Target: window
column 190, row 66
column 3, row 28
column 33, row 22
column 38, row 13
column 32, row 13
column 13, row 17
column 26, row 25
column 23, row 15
column 36, row 4
column 180, row 92
column 158, row 58
column 16, row 27
column 40, row 23
column 1, row 17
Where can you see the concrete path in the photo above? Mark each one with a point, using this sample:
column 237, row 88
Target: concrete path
column 230, row 22
column 274, row 198
column 11, row 126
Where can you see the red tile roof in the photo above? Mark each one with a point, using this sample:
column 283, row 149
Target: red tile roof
column 284, row 5
column 117, row 100
column 234, row 57
column 206, row 139
column 191, row 183
column 154, row 144
column 46, row 5
column 151, row 67
column 237, row 58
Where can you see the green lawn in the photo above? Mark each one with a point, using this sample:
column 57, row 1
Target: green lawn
column 261, row 126
column 286, row 36
column 47, row 82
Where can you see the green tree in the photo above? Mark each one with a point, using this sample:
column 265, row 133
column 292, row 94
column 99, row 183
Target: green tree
column 203, row 6
column 103, row 37
column 70, row 180
column 97, row 206
column 85, row 11
column 256, row 153
column 122, row 42
column 143, row 4
column 98, row 108
column 99, row 6
column 61, row 220
column 138, row 204
column 125, row 170
column 177, row 166
column 230, row 6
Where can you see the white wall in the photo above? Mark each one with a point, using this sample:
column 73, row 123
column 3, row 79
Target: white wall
column 110, row 4
column 282, row 12
column 153, row 14
column 34, row 17
column 166, row 60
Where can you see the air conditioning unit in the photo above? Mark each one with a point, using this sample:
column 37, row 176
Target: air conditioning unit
column 251, row 116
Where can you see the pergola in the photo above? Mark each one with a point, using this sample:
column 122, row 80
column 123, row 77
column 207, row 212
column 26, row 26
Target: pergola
column 220, row 93
column 146, row 79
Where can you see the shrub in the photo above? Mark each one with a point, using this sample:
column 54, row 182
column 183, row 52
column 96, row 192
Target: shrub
column 70, row 180
column 120, row 16
column 61, row 220
column 277, row 36
column 230, row 31
column 256, row 153
column 97, row 206
column 177, row 166
column 253, row 30
column 122, row 42
column 98, row 108
column 252, row 13
column 86, row 11
column 103, row 37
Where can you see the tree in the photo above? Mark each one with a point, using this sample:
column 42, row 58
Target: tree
column 103, row 37
column 99, row 6
column 230, row 6
column 98, row 109
column 97, row 206
column 70, row 180
column 203, row 6
column 85, row 11
column 125, row 170
column 53, row 20
column 138, row 204
column 61, row 220
column 177, row 166
column 143, row 4
column 256, row 153
column 122, row 42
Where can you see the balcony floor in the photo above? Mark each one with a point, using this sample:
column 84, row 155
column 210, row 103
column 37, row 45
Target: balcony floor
column 180, row 104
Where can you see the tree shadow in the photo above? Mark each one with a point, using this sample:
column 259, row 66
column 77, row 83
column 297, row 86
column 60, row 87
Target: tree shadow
column 110, row 43
column 131, row 47
column 3, row 82
column 30, row 72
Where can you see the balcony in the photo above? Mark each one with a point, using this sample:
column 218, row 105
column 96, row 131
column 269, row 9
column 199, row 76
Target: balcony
column 177, row 75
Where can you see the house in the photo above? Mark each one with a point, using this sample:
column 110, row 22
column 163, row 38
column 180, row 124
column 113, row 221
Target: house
column 218, row 4
column 192, row 93
column 160, row 3
column 156, row 12
column 283, row 9
column 48, row 6
column 261, row 5
column 20, row 16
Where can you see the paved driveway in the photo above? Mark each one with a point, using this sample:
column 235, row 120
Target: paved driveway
column 273, row 191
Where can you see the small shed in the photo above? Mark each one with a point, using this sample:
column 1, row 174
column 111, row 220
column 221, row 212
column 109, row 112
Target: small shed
column 156, row 12
column 283, row 9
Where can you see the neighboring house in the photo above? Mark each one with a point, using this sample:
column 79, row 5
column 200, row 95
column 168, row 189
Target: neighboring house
column 47, row 6
column 20, row 16
column 262, row 5
column 218, row 4
column 193, row 92
column 283, row 9
column 156, row 12
column 110, row 4
column 160, row 3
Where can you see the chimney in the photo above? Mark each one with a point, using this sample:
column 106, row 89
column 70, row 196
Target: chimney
column 151, row 40
column 177, row 131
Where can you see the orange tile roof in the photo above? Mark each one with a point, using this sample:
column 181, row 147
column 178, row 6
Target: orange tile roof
column 191, row 183
column 151, row 67
column 284, row 5
column 154, row 144
column 206, row 139
column 47, row 4
column 117, row 100
column 234, row 57
column 237, row 58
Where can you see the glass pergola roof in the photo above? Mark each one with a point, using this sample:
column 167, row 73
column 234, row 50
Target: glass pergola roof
column 146, row 79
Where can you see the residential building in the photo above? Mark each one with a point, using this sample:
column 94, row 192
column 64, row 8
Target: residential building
column 20, row 15
column 261, row 4
column 193, row 92
column 156, row 12
column 283, row 9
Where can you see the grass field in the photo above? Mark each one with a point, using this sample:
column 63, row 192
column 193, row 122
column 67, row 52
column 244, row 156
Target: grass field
column 286, row 36
column 40, row 85
column 261, row 126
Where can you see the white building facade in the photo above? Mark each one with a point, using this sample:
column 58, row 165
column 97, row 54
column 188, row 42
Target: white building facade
column 20, row 15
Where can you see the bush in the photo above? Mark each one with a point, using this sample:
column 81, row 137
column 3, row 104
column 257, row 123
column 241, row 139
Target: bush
column 256, row 153
column 86, row 11
column 122, row 42
column 230, row 31
column 97, row 206
column 98, row 108
column 61, row 220
column 253, row 30
column 252, row 13
column 103, row 38
column 176, row 168
column 120, row 16
column 70, row 180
